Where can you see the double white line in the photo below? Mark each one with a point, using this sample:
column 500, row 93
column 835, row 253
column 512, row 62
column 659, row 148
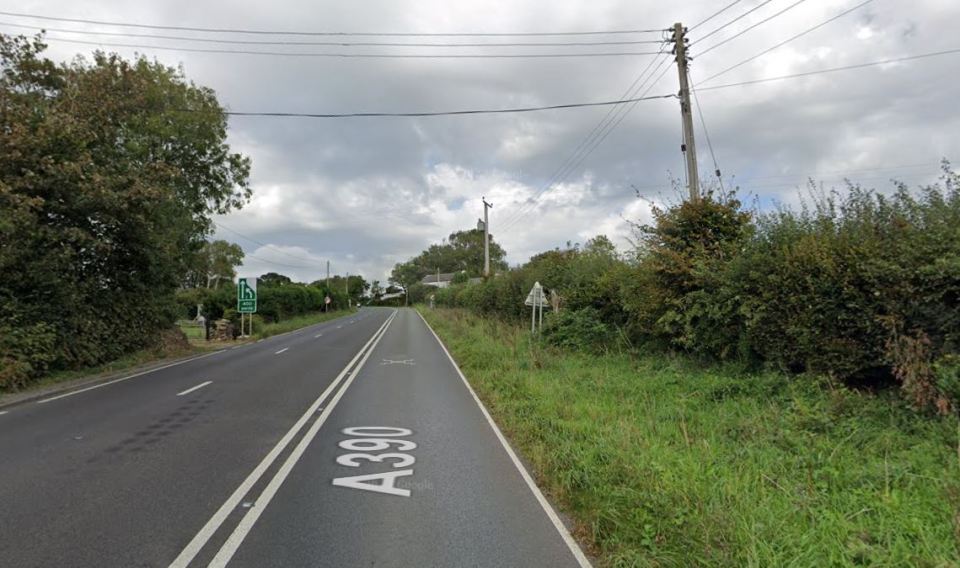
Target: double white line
column 246, row 523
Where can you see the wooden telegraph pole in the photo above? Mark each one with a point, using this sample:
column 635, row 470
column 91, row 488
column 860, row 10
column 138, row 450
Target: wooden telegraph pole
column 689, row 144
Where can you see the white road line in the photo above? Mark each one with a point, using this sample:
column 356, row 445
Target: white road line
column 281, row 351
column 71, row 393
column 200, row 540
column 317, row 335
column 4, row 412
column 234, row 541
column 554, row 518
column 191, row 389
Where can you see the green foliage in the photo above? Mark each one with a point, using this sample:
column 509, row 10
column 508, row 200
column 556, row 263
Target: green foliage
column 111, row 170
column 661, row 462
column 677, row 297
column 214, row 265
column 463, row 251
column 578, row 329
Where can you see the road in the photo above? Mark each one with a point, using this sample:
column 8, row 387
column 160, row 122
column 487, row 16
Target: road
column 356, row 442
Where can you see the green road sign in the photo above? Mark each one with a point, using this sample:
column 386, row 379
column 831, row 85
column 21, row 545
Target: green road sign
column 247, row 296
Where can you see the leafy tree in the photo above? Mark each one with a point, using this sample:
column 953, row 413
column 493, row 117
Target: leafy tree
column 273, row 279
column 462, row 251
column 376, row 290
column 214, row 264
column 110, row 172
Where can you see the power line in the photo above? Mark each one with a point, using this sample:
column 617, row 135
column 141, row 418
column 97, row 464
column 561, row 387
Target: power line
column 446, row 113
column 785, row 42
column 332, row 43
column 815, row 176
column 731, row 22
column 760, row 23
column 280, row 263
column 263, row 244
column 318, row 33
column 610, row 128
column 562, row 170
column 706, row 134
column 714, row 15
column 356, row 55
column 833, row 70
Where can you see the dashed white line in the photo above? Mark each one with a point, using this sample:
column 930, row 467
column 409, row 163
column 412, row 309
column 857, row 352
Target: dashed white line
column 281, row 351
column 317, row 335
column 4, row 411
column 71, row 393
column 191, row 389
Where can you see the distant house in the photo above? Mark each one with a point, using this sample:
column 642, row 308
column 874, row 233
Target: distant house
column 438, row 280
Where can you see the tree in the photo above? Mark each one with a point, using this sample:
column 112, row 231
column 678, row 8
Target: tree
column 215, row 263
column 376, row 290
column 273, row 279
column 462, row 251
column 110, row 174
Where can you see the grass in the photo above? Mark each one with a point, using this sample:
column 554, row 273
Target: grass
column 294, row 323
column 192, row 331
column 662, row 462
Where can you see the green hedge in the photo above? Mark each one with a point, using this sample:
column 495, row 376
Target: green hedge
column 855, row 285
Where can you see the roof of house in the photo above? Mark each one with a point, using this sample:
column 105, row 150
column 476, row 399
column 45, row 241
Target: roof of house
column 434, row 278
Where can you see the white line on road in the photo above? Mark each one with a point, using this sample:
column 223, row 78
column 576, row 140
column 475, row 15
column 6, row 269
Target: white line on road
column 4, row 411
column 317, row 335
column 234, row 541
column 216, row 521
column 281, row 351
column 71, row 393
column 191, row 389
column 561, row 528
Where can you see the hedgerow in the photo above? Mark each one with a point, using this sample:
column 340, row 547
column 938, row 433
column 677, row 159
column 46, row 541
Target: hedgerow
column 855, row 284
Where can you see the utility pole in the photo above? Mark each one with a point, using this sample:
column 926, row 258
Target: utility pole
column 486, row 237
column 689, row 145
column 327, row 291
column 346, row 290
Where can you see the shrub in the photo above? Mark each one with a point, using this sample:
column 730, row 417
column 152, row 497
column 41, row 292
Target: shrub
column 579, row 329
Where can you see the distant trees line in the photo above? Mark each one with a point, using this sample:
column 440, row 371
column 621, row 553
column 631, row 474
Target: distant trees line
column 278, row 297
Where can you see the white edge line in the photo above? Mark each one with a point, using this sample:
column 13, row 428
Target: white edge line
column 548, row 509
column 191, row 389
column 206, row 532
column 238, row 535
column 97, row 386
column 281, row 351
column 4, row 412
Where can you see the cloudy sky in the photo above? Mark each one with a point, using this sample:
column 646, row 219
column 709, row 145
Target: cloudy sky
column 365, row 193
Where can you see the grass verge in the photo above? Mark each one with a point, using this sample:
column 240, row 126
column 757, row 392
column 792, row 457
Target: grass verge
column 294, row 323
column 665, row 463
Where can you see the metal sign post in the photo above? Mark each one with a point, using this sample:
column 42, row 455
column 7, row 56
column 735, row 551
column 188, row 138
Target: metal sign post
column 535, row 299
column 246, row 302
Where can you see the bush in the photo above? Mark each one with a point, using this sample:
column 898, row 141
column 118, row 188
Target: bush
column 582, row 329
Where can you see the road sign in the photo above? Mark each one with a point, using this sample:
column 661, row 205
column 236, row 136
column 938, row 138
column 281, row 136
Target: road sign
column 247, row 295
column 535, row 297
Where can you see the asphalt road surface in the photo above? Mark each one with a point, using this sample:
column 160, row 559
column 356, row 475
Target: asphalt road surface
column 355, row 442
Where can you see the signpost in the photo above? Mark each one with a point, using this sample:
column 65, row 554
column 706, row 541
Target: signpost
column 535, row 299
column 246, row 302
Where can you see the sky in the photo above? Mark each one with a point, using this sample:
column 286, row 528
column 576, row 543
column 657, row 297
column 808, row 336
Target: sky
column 366, row 193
